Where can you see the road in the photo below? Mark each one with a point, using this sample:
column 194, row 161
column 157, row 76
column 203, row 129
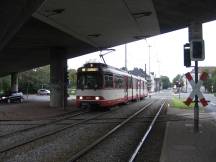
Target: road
column 41, row 98
column 168, row 94
column 163, row 94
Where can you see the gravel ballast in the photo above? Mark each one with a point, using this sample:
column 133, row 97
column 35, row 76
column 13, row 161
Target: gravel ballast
column 62, row 145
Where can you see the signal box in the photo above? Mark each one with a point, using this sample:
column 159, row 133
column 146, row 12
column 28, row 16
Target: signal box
column 197, row 52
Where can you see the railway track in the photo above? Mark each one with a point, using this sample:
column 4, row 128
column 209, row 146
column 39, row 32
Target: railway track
column 10, row 147
column 43, row 124
column 29, row 120
column 139, row 146
column 21, row 147
column 88, row 148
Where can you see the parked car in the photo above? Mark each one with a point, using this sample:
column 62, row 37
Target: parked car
column 11, row 97
column 43, row 92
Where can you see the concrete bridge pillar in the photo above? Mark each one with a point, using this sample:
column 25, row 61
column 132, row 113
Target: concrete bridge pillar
column 58, row 72
column 14, row 82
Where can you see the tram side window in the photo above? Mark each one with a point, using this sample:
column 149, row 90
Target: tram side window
column 119, row 82
column 108, row 81
column 134, row 82
column 129, row 82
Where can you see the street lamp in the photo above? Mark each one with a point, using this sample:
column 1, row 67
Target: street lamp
column 126, row 57
column 149, row 59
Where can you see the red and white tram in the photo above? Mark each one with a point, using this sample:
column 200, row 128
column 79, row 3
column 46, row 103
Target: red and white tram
column 102, row 85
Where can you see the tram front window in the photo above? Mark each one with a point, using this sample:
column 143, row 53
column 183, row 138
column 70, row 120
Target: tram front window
column 89, row 81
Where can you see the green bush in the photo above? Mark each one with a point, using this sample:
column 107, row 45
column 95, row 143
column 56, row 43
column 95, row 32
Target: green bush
column 72, row 91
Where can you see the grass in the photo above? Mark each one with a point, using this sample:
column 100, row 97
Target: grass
column 177, row 103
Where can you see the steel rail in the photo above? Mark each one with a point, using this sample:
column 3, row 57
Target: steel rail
column 50, row 118
column 55, row 131
column 42, row 125
column 92, row 145
column 135, row 153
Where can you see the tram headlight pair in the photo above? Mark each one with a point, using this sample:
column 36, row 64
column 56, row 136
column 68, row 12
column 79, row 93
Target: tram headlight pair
column 90, row 98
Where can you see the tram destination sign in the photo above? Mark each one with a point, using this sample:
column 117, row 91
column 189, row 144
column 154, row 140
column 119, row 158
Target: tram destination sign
column 89, row 69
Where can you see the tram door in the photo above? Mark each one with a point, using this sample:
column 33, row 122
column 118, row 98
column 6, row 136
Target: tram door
column 126, row 88
column 137, row 96
column 139, row 88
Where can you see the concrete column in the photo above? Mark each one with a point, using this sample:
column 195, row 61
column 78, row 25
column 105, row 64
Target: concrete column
column 58, row 70
column 14, row 82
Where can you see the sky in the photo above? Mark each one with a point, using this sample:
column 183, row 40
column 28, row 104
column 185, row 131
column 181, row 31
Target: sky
column 166, row 53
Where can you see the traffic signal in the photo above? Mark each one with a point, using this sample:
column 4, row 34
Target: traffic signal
column 197, row 51
column 187, row 59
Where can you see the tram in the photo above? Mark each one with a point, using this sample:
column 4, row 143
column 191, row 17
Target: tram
column 102, row 85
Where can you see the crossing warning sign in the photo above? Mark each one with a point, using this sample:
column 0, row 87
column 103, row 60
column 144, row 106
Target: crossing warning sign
column 196, row 89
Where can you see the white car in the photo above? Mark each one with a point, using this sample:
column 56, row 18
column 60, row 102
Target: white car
column 43, row 92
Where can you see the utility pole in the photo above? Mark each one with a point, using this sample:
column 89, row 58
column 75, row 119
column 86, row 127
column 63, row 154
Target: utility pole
column 158, row 62
column 145, row 72
column 126, row 56
column 149, row 59
column 196, row 106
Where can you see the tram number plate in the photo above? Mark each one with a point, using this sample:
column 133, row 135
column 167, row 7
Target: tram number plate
column 85, row 104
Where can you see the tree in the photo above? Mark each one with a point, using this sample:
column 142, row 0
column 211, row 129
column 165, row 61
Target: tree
column 5, row 84
column 72, row 78
column 138, row 72
column 178, row 81
column 165, row 82
column 210, row 83
column 123, row 68
column 32, row 80
column 207, row 84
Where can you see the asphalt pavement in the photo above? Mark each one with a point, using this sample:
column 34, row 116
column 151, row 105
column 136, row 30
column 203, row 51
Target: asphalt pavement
column 181, row 142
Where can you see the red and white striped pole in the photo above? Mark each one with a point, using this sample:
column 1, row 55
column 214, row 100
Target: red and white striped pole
column 192, row 94
column 196, row 89
column 203, row 77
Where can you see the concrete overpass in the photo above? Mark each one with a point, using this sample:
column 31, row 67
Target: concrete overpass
column 34, row 33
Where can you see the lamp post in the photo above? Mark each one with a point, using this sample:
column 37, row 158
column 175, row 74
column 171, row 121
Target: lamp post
column 126, row 57
column 149, row 46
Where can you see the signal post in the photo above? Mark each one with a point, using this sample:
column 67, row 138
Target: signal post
column 195, row 52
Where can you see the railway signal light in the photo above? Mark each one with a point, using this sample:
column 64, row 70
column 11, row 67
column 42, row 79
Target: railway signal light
column 197, row 50
column 187, row 59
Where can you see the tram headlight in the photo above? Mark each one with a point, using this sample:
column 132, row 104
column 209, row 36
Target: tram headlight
column 81, row 97
column 97, row 98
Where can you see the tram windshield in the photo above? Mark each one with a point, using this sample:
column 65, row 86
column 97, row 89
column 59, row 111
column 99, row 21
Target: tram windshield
column 89, row 81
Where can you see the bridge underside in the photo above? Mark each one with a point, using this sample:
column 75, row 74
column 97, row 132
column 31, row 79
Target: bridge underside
column 34, row 33
column 30, row 29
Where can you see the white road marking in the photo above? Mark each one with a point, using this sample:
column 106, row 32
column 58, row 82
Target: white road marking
column 213, row 104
